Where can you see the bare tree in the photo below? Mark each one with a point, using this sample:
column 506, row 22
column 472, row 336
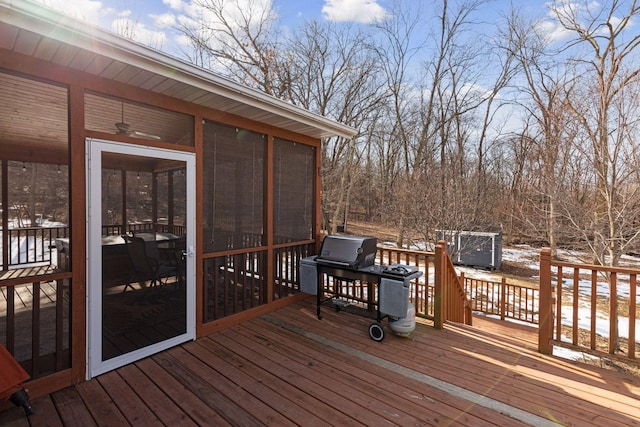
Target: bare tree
column 447, row 128
column 501, row 69
column 546, row 82
column 237, row 38
column 610, row 72
column 516, row 156
column 396, row 53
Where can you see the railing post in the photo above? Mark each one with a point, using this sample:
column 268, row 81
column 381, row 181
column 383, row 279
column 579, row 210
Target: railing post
column 613, row 313
column 503, row 299
column 439, row 286
column 545, row 329
column 632, row 315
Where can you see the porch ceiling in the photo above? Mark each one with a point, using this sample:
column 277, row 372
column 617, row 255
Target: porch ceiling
column 36, row 31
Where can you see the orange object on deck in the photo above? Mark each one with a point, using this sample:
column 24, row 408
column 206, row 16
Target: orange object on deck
column 12, row 376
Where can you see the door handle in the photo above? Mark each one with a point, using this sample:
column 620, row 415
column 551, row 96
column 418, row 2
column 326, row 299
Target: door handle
column 189, row 252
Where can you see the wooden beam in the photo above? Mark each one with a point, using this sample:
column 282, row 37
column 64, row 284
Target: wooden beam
column 78, row 197
column 198, row 133
column 23, row 151
column 269, row 218
column 545, row 327
column 5, row 214
column 439, row 297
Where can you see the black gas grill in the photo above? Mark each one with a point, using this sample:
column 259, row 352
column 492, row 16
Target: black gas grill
column 352, row 258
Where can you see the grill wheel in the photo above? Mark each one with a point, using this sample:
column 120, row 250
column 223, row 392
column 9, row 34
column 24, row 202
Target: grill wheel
column 376, row 332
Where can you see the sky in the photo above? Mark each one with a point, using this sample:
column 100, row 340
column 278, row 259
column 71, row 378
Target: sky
column 151, row 22
column 148, row 11
column 153, row 19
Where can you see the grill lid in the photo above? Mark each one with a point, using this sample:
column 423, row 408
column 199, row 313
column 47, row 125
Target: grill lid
column 348, row 251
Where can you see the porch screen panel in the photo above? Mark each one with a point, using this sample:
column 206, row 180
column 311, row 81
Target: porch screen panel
column 293, row 191
column 171, row 201
column 177, row 213
column 35, row 307
column 38, row 214
column 234, row 180
column 112, row 219
column 139, row 209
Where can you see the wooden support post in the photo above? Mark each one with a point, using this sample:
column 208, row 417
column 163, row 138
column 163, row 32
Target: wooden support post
column 5, row 214
column 545, row 329
column 439, row 286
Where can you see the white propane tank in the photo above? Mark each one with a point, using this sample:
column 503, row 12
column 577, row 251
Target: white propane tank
column 403, row 326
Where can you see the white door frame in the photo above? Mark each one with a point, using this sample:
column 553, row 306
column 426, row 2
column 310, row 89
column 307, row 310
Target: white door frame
column 94, row 150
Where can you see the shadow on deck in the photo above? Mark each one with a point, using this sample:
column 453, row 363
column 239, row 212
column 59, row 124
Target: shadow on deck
column 288, row 368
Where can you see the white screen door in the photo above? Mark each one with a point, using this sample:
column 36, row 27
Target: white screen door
column 140, row 261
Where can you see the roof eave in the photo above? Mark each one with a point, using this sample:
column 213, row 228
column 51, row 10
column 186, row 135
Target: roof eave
column 83, row 35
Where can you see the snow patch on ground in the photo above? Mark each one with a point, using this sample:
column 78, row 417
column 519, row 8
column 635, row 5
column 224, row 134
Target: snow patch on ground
column 529, row 257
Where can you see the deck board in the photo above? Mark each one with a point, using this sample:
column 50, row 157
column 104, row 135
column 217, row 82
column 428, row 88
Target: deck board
column 290, row 353
column 104, row 411
column 72, row 408
column 47, row 415
column 288, row 368
column 280, row 386
column 404, row 402
column 257, row 389
column 338, row 407
column 125, row 398
column 201, row 402
column 160, row 401
column 243, row 400
column 441, row 407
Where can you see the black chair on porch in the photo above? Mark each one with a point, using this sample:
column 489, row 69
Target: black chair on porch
column 146, row 265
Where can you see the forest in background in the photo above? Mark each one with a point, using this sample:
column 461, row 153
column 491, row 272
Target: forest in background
column 526, row 123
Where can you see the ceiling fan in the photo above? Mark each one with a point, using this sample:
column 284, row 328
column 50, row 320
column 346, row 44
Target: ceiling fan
column 124, row 128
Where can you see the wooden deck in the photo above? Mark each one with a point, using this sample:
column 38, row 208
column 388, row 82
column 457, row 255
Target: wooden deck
column 288, row 368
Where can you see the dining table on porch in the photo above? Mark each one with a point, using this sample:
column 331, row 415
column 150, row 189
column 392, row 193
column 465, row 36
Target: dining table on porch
column 116, row 265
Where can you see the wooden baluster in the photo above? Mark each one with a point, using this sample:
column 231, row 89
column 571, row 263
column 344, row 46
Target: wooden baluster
column 546, row 314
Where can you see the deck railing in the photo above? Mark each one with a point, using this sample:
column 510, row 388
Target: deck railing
column 450, row 297
column 119, row 229
column 422, row 288
column 26, row 246
column 502, row 299
column 31, row 245
column 438, row 295
column 35, row 313
column 589, row 307
column 35, row 309
column 233, row 283
column 286, row 267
